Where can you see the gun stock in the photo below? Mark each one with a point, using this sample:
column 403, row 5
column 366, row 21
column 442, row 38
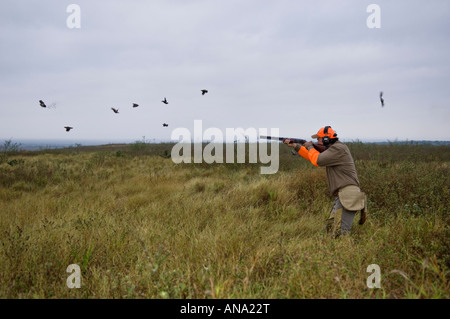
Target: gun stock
column 319, row 148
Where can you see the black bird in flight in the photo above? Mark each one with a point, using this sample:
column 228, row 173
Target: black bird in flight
column 42, row 103
column 135, row 105
column 165, row 124
column 115, row 110
column 204, row 92
column 165, row 101
column 68, row 128
column 381, row 99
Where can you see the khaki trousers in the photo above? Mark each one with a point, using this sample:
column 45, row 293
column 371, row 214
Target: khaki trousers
column 340, row 220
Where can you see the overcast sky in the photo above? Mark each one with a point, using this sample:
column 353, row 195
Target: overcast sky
column 292, row 65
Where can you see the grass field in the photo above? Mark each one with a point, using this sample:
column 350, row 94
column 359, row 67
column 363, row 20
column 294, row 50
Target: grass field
column 141, row 226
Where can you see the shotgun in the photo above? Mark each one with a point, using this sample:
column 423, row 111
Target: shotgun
column 319, row 148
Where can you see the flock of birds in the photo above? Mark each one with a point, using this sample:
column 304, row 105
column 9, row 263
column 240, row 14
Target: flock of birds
column 68, row 128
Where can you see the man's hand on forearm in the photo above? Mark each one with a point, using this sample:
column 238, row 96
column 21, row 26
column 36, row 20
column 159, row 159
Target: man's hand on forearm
column 289, row 143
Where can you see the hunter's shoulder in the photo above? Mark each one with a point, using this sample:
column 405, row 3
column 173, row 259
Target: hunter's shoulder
column 337, row 148
column 337, row 145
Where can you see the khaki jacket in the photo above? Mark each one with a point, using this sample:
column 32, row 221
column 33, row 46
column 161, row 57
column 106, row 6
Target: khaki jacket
column 339, row 164
column 341, row 175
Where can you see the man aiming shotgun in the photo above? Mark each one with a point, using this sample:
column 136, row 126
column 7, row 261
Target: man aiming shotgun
column 342, row 178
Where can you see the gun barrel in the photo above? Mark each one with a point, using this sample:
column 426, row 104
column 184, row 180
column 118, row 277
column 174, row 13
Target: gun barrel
column 318, row 147
column 272, row 138
column 294, row 140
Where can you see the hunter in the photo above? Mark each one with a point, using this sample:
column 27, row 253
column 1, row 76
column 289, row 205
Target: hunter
column 342, row 179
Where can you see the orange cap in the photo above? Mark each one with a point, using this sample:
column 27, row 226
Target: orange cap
column 330, row 133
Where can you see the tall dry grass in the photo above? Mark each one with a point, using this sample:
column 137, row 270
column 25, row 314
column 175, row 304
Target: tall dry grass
column 140, row 226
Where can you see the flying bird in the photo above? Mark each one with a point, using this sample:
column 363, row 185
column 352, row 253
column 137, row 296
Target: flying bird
column 115, row 110
column 165, row 101
column 42, row 103
column 68, row 128
column 381, row 99
column 135, row 105
column 165, row 124
column 204, row 92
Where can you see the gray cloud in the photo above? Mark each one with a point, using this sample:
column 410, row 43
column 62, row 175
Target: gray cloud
column 294, row 65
